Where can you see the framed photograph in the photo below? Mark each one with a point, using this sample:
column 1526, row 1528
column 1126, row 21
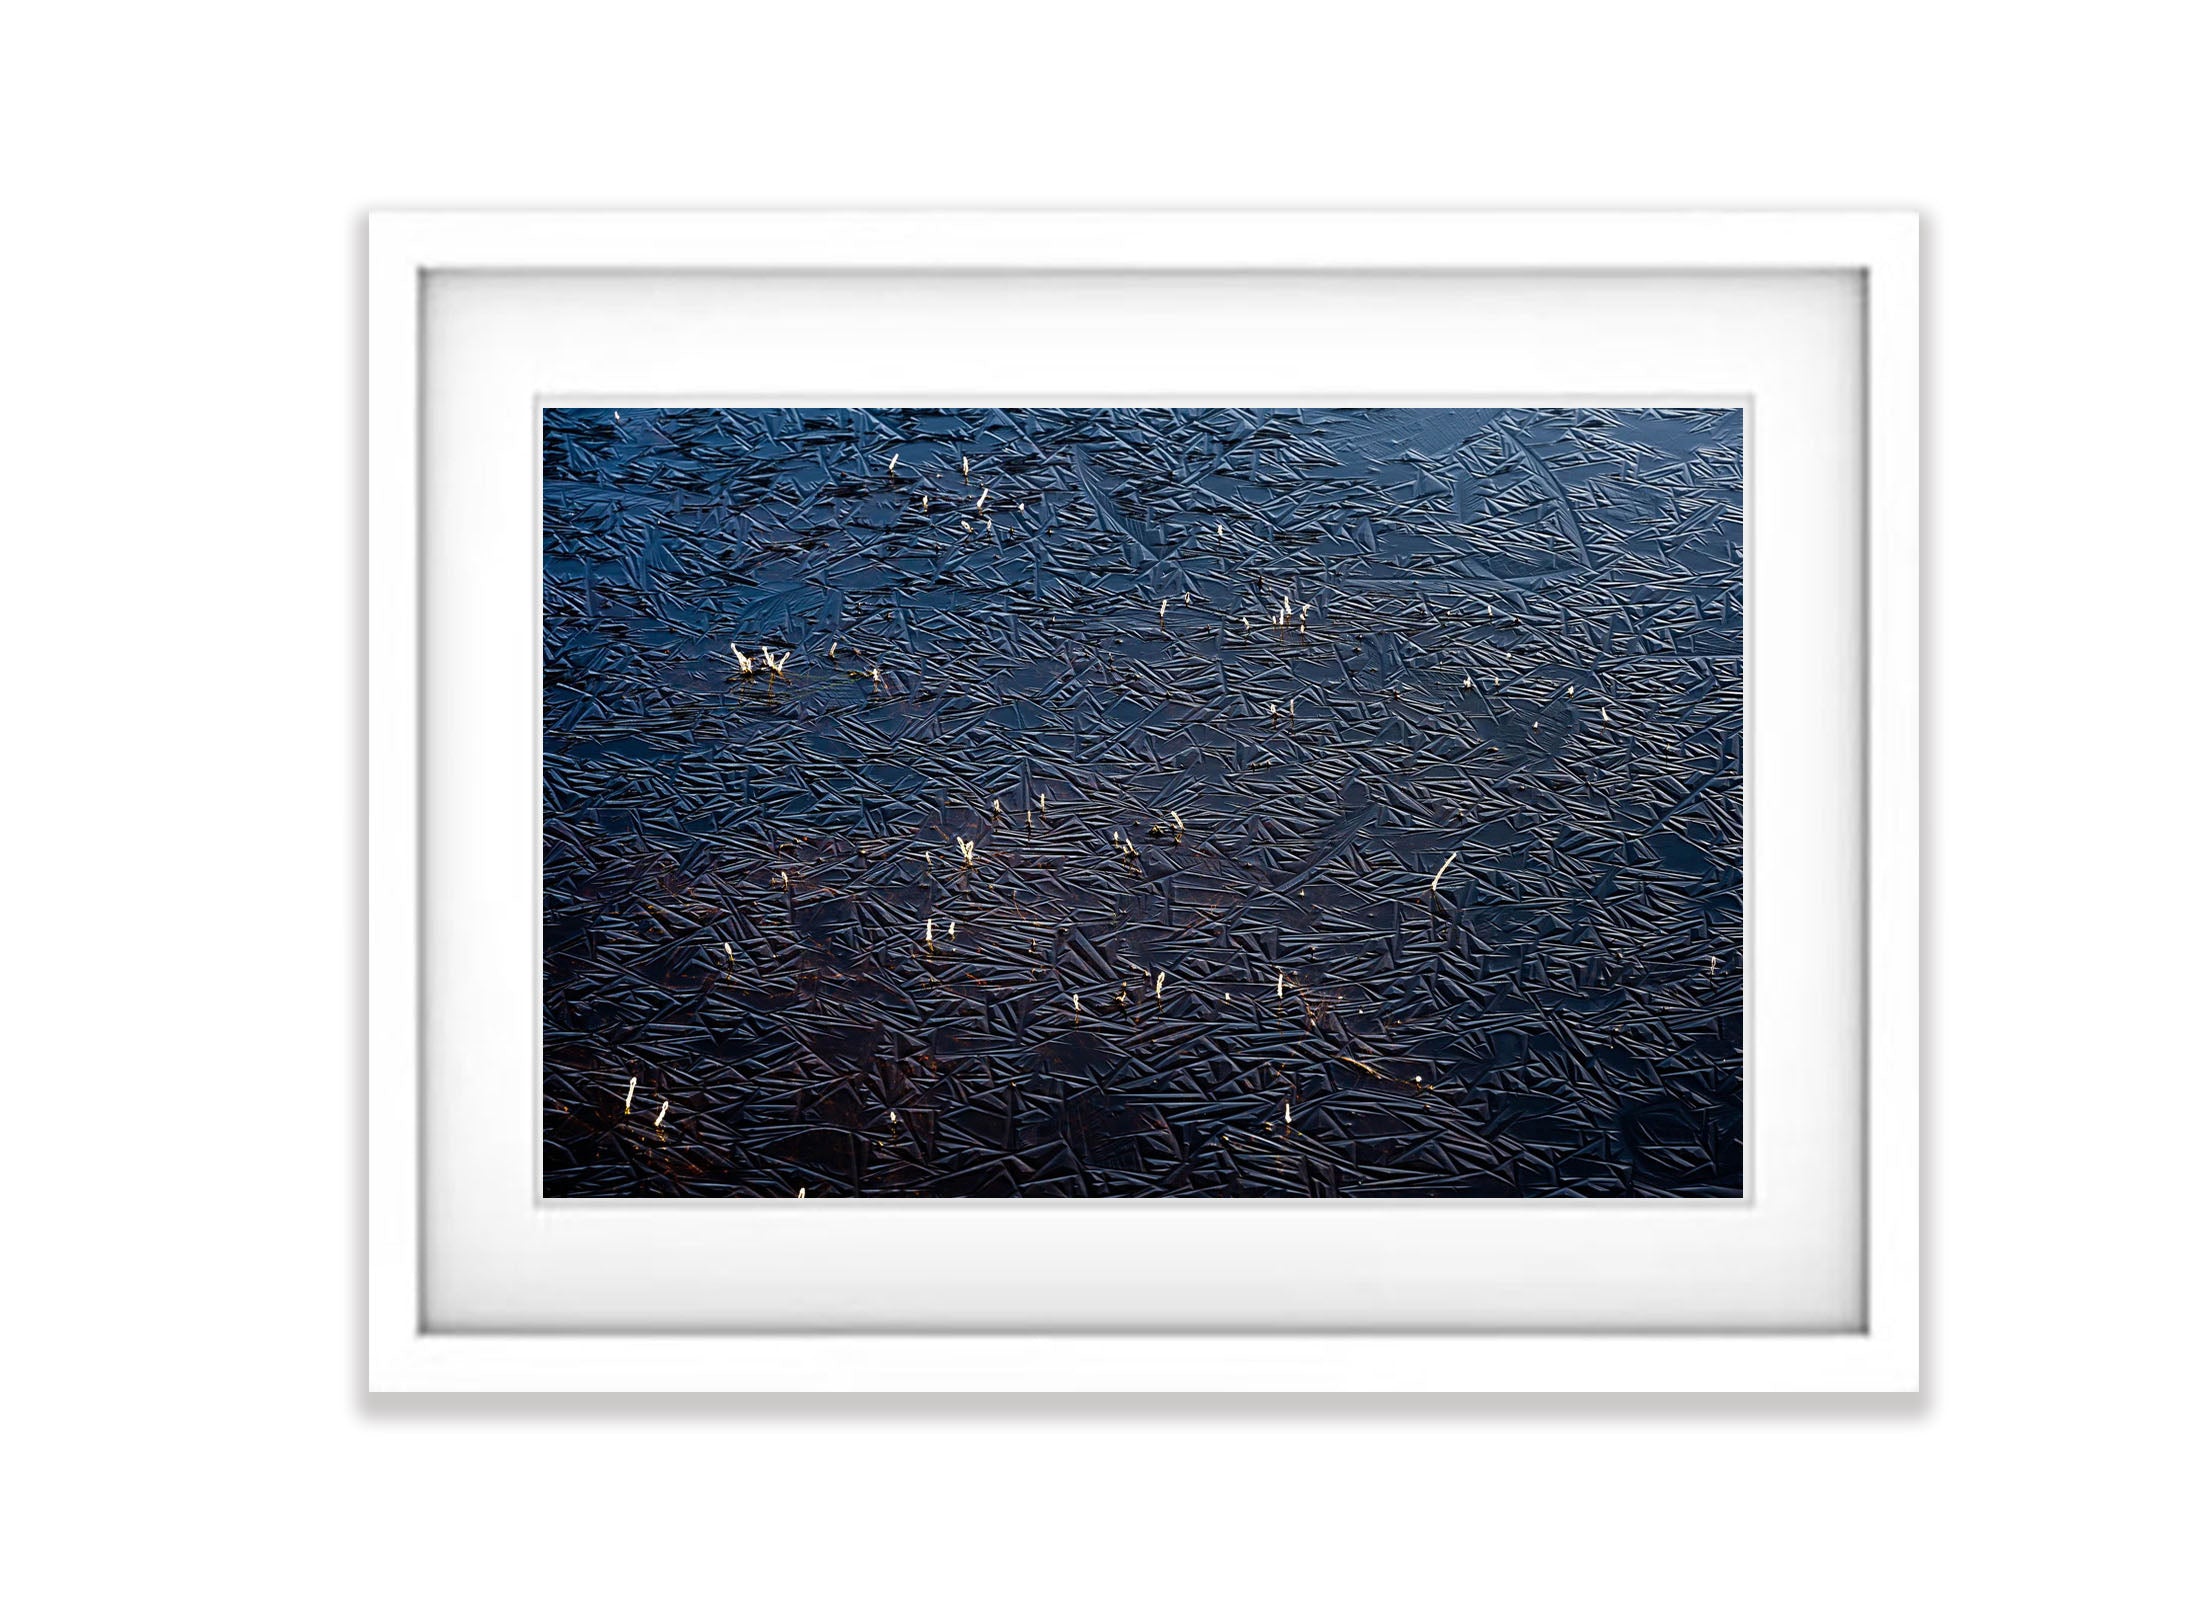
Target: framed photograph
column 1143, row 801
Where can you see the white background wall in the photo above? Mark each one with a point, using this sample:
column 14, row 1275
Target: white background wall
column 178, row 796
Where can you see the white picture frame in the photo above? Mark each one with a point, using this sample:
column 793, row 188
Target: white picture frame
column 406, row 1351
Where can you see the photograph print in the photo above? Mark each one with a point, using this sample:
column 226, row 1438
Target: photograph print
column 1142, row 802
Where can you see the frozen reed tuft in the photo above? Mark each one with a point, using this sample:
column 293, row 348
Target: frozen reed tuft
column 744, row 661
column 969, row 852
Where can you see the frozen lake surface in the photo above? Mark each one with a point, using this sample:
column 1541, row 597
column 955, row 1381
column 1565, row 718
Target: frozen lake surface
column 1401, row 855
